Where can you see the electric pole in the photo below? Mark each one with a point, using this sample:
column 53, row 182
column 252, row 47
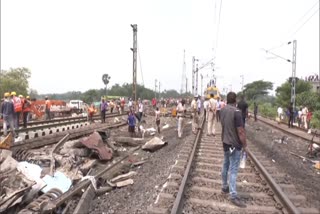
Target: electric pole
column 183, row 72
column 201, row 84
column 159, row 89
column 293, row 82
column 193, row 70
column 134, row 50
column 155, row 88
column 242, row 81
column 197, row 74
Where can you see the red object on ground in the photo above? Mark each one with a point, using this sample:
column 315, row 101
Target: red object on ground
column 94, row 141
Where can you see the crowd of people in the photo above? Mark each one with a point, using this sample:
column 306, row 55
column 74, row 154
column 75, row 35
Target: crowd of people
column 14, row 108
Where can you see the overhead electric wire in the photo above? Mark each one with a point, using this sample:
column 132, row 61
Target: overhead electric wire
column 301, row 26
column 140, row 65
column 301, row 18
column 218, row 26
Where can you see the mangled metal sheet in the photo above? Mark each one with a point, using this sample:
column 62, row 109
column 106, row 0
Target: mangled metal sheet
column 94, row 142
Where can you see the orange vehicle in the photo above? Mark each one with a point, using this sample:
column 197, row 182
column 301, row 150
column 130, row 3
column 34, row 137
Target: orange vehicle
column 57, row 107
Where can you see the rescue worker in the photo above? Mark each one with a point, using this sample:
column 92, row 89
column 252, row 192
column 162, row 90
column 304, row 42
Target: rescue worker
column 205, row 107
column 194, row 113
column 157, row 114
column 212, row 107
column 140, row 110
column 180, row 114
column 243, row 106
column 103, row 109
column 26, row 107
column 131, row 123
column 234, row 140
column 218, row 110
column 290, row 115
column 7, row 113
column 91, row 111
column 122, row 103
column 47, row 108
column 17, row 109
column 111, row 106
column 255, row 111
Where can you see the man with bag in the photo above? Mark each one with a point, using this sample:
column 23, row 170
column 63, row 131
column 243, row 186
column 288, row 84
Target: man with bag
column 234, row 140
column 194, row 113
column 212, row 108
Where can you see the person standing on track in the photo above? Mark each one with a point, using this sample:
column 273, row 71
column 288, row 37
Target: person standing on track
column 212, row 108
column 233, row 139
column 243, row 106
column 180, row 114
column 205, row 108
column 195, row 116
column 218, row 109
column 7, row 113
column 26, row 107
column 157, row 114
column 103, row 108
column 47, row 108
column 255, row 111
column 17, row 109
column 290, row 115
column 131, row 123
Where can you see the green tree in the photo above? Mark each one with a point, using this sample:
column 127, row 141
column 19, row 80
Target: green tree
column 15, row 79
column 283, row 92
column 257, row 88
column 309, row 99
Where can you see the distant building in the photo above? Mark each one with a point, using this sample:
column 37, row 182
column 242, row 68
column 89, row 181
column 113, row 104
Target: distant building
column 314, row 80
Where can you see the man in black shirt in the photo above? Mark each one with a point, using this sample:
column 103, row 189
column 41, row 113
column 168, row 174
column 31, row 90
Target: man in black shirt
column 290, row 111
column 243, row 106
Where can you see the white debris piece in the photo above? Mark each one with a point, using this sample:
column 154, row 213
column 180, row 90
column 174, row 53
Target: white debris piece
column 59, row 180
column 154, row 144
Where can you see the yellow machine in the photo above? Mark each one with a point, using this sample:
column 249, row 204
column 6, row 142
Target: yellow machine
column 212, row 90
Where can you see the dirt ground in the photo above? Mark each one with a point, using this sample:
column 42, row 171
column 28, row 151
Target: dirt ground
column 300, row 173
column 150, row 178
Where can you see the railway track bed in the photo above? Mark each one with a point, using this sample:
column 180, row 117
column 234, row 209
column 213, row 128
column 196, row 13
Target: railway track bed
column 194, row 185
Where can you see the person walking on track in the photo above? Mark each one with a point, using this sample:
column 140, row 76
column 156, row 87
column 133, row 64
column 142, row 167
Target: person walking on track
column 195, row 116
column 234, row 139
column 243, row 106
column 212, row 108
column 7, row 113
column 157, row 114
column 103, row 109
column 180, row 114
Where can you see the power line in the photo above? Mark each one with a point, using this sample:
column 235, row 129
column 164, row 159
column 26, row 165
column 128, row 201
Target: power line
column 299, row 20
column 140, row 65
column 305, row 23
column 218, row 26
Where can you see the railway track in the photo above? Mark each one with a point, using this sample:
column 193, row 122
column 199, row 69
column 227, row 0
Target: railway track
column 44, row 128
column 194, row 185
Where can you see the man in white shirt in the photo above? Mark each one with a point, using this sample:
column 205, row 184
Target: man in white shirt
column 280, row 111
column 180, row 115
column 205, row 107
column 194, row 113
column 212, row 108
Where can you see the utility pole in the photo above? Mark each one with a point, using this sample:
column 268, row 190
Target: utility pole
column 201, row 84
column 155, row 88
column 134, row 50
column 159, row 90
column 242, row 76
column 293, row 82
column 193, row 70
column 183, row 72
column 186, row 85
column 197, row 74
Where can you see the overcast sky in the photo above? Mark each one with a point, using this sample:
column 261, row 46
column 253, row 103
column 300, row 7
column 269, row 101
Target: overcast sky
column 69, row 44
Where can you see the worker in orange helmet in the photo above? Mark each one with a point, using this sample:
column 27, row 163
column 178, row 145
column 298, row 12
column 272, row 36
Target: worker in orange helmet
column 17, row 109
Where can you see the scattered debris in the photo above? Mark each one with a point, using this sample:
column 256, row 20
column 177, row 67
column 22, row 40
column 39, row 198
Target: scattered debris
column 154, row 144
column 124, row 183
column 273, row 161
column 58, row 181
column 129, row 141
column 52, row 160
column 304, row 158
column 6, row 142
column 124, row 176
column 138, row 163
column 94, row 142
column 165, row 126
column 317, row 165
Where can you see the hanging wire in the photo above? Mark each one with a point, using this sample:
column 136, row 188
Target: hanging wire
column 140, row 65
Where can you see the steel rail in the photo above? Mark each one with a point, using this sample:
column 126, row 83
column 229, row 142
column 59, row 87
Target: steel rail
column 178, row 203
column 53, row 124
column 290, row 133
column 275, row 187
column 33, row 123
